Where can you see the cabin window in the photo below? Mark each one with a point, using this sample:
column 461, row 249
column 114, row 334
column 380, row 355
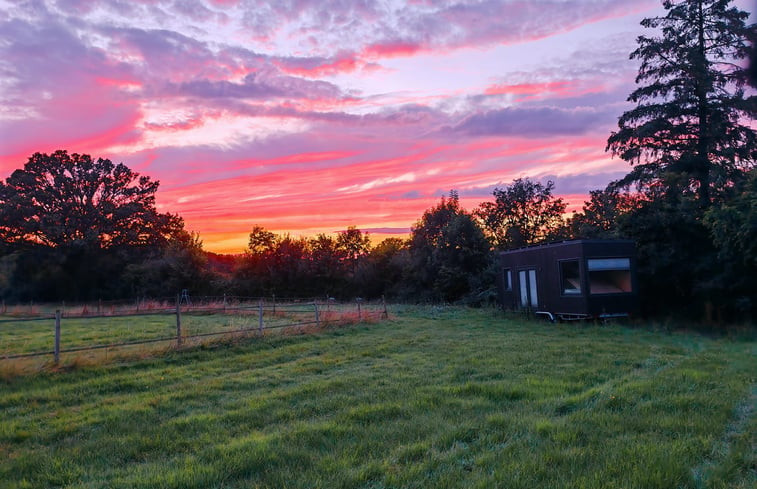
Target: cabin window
column 609, row 275
column 508, row 277
column 570, row 278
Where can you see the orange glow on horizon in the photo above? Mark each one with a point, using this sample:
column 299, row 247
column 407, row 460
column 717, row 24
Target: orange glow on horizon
column 234, row 241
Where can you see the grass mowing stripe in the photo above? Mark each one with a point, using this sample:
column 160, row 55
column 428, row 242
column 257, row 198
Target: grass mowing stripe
column 734, row 455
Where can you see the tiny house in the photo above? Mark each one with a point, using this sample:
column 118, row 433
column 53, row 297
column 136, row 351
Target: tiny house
column 571, row 279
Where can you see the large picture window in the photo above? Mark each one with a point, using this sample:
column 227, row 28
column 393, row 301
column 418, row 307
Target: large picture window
column 508, row 279
column 609, row 275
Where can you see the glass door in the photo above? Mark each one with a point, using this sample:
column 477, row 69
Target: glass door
column 529, row 296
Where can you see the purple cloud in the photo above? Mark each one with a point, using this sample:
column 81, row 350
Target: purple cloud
column 582, row 183
column 375, row 28
column 57, row 86
column 259, row 86
column 535, row 122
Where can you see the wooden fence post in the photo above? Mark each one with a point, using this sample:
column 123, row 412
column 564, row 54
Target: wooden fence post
column 178, row 321
column 385, row 314
column 57, row 337
column 260, row 317
column 359, row 313
column 274, row 304
column 224, row 303
column 317, row 318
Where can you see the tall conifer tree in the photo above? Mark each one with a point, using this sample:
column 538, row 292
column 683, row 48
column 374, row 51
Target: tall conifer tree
column 690, row 130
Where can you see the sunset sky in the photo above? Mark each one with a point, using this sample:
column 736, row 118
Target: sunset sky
column 308, row 116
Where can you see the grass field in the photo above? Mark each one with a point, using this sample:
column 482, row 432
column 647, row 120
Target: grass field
column 154, row 331
column 434, row 398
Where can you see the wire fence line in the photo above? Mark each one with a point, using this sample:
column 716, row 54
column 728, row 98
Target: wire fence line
column 74, row 328
column 112, row 308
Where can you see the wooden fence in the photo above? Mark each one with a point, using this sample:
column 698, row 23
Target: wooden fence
column 191, row 320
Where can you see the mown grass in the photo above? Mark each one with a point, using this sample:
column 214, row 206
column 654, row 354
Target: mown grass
column 443, row 398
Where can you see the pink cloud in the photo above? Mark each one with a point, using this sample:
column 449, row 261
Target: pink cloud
column 527, row 91
column 315, row 66
column 89, row 119
column 389, row 49
column 327, row 154
column 342, row 64
column 312, row 157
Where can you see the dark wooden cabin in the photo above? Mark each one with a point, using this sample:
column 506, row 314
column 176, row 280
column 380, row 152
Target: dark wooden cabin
column 571, row 279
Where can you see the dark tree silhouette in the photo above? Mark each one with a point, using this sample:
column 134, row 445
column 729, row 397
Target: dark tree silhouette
column 690, row 127
column 523, row 213
column 353, row 243
column 389, row 261
column 602, row 213
column 327, row 264
column 691, row 142
column 288, row 267
column 181, row 265
column 261, row 241
column 733, row 229
column 448, row 251
column 62, row 199
column 76, row 228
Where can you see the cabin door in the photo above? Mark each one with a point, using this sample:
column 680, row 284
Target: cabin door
column 529, row 297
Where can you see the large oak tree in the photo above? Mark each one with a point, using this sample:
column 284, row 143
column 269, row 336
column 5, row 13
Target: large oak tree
column 71, row 226
column 63, row 199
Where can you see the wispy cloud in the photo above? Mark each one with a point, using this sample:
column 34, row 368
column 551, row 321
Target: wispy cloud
column 312, row 115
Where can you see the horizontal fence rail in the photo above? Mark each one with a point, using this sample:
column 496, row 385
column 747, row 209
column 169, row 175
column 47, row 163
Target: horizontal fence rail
column 72, row 328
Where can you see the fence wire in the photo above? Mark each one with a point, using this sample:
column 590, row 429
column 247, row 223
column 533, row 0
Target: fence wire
column 30, row 334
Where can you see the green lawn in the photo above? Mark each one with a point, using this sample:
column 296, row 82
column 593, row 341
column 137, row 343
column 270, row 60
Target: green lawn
column 433, row 398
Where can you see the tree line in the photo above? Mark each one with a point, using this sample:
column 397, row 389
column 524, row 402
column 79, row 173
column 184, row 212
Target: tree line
column 72, row 227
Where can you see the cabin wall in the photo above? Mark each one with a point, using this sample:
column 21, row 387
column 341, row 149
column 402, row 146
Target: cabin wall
column 546, row 262
column 564, row 282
